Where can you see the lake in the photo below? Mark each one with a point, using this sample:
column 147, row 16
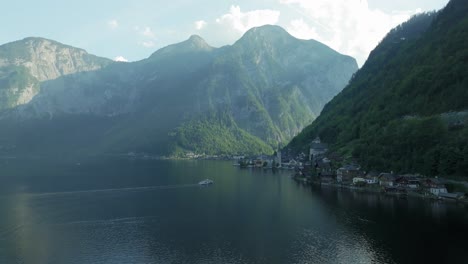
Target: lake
column 151, row 211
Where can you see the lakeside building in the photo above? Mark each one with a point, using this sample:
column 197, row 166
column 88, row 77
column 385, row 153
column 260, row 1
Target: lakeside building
column 435, row 186
column 317, row 149
column 359, row 180
column 347, row 173
column 278, row 159
column 408, row 181
column 387, row 179
column 372, row 178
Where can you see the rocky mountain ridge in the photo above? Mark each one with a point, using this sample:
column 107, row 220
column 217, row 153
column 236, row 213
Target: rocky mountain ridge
column 262, row 89
column 26, row 63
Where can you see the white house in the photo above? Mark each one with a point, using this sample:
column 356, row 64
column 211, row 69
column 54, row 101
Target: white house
column 372, row 180
column 358, row 180
column 436, row 190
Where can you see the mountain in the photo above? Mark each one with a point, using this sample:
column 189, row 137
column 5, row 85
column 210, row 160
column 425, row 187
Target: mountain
column 406, row 109
column 26, row 63
column 243, row 98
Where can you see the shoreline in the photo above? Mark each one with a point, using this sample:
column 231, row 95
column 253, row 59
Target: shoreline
column 379, row 191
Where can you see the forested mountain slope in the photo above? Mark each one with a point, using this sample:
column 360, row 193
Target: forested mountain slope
column 406, row 109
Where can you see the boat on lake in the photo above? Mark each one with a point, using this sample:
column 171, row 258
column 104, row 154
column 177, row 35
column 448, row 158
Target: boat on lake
column 206, row 182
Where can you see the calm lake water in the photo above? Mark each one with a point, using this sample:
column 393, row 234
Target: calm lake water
column 124, row 211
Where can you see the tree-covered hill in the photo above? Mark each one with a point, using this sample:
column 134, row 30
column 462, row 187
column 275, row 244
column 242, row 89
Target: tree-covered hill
column 406, row 108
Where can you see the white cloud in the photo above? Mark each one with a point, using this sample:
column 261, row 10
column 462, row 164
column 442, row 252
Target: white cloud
column 229, row 27
column 348, row 26
column 147, row 32
column 241, row 22
column 120, row 58
column 200, row 24
column 113, row 24
column 147, row 44
column 300, row 29
column 147, row 37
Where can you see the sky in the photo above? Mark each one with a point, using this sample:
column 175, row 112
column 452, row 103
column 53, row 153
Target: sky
column 132, row 30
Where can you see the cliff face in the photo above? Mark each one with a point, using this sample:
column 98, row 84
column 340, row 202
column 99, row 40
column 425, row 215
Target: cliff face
column 26, row 63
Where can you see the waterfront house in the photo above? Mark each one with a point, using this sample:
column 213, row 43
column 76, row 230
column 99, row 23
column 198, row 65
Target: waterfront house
column 291, row 164
column 408, row 181
column 347, row 173
column 258, row 163
column 438, row 190
column 413, row 183
column 434, row 186
column 431, row 182
column 400, row 182
column 359, row 180
column 387, row 179
column 372, row 178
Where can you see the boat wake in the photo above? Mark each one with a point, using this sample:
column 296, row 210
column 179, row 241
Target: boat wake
column 113, row 221
column 127, row 189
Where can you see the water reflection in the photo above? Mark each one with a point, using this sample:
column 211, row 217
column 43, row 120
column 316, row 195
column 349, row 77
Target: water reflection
column 152, row 212
column 400, row 230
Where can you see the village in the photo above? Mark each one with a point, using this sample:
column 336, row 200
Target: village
column 320, row 167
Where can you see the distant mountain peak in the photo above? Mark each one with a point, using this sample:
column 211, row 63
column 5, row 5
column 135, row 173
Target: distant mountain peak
column 196, row 38
column 40, row 40
column 270, row 32
column 267, row 29
column 197, row 42
column 186, row 97
column 275, row 40
column 194, row 43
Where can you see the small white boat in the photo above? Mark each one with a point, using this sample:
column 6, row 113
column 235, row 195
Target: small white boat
column 206, row 182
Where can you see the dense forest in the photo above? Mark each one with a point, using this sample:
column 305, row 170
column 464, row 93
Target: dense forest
column 406, row 109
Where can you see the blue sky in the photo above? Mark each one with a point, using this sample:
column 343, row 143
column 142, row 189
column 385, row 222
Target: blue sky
column 135, row 29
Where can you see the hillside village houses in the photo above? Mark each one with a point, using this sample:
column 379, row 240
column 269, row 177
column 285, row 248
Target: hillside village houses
column 320, row 168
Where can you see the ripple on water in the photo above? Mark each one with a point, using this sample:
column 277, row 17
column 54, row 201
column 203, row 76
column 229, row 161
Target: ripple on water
column 340, row 246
